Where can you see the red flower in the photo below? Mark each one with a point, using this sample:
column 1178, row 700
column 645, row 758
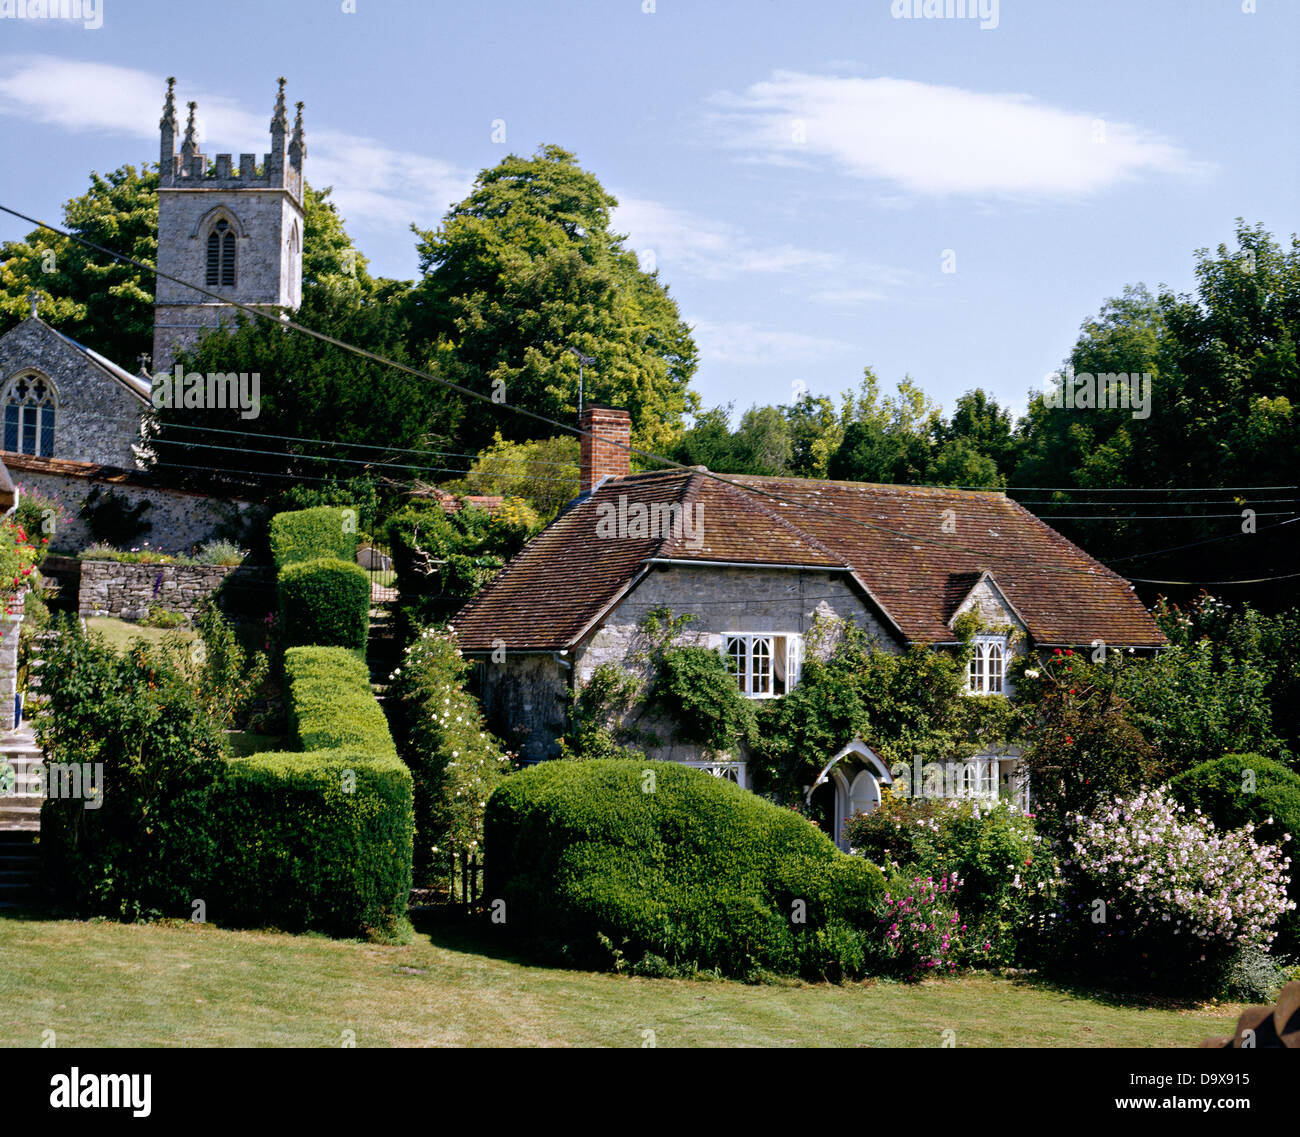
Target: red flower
column 1056, row 651
column 1068, row 651
column 1069, row 741
column 1071, row 690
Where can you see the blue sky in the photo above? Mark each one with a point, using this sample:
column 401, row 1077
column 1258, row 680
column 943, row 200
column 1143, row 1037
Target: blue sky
column 796, row 171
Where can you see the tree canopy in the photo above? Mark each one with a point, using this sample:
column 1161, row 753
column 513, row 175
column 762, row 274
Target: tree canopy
column 527, row 268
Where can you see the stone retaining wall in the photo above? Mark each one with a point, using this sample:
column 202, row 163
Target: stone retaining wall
column 111, row 588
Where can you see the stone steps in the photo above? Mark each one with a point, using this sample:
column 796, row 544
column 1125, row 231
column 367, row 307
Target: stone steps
column 382, row 654
column 20, row 867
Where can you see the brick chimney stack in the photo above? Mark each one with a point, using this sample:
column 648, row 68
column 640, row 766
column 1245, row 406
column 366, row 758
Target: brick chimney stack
column 606, row 434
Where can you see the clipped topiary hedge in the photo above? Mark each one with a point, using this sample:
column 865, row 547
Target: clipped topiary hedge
column 320, row 838
column 325, row 601
column 1241, row 789
column 307, row 534
column 330, row 702
column 671, row 864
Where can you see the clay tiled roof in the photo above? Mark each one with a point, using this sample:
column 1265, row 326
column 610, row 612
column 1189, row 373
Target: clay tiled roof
column 916, row 551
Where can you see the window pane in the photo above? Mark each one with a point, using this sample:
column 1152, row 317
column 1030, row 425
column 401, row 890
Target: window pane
column 735, row 653
column 47, row 432
column 995, row 668
column 11, row 427
column 214, row 257
column 762, row 665
column 29, row 430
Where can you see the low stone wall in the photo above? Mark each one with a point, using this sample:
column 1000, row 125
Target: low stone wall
column 111, row 588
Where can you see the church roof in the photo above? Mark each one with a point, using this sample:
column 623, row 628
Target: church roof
column 138, row 385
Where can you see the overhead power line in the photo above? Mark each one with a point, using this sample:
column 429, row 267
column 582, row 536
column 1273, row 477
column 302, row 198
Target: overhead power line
column 286, row 323
column 1196, row 544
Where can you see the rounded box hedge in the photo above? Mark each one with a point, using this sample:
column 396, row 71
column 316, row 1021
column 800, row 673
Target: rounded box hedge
column 325, row 601
column 666, row 861
column 306, row 534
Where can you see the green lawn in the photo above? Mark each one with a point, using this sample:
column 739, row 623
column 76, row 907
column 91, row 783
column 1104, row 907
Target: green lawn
column 120, row 634
column 104, row 984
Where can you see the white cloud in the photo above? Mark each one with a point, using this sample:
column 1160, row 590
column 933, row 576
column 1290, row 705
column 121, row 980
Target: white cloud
column 935, row 140
column 685, row 244
column 375, row 186
column 738, row 342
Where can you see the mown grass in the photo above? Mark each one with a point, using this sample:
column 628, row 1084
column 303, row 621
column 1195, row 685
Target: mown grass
column 176, row 984
column 120, row 634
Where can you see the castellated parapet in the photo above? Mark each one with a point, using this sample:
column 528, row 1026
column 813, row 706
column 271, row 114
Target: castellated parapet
column 235, row 231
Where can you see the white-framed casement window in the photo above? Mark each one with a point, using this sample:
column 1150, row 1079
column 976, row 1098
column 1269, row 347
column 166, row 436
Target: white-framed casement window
column 765, row 665
column 986, row 672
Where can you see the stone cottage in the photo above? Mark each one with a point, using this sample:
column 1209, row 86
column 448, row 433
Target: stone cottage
column 758, row 561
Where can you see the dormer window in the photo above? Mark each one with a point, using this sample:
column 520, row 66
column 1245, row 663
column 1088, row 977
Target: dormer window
column 221, row 255
column 986, row 672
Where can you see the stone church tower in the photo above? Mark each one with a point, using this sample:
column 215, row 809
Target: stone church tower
column 235, row 232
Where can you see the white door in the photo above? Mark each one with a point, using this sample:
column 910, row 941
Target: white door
column 864, row 793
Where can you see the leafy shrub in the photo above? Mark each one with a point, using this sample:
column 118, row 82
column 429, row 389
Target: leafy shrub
column 220, row 553
column 160, row 617
column 1253, row 976
column 325, row 601
column 922, row 928
column 1241, row 789
column 1161, row 896
column 227, row 675
column 146, row 846
column 296, row 840
column 40, row 517
column 359, row 494
column 443, row 559
column 666, row 860
column 693, row 687
column 17, row 563
column 1083, row 747
column 454, row 761
column 111, row 518
column 1008, row 875
column 318, row 840
column 309, row 534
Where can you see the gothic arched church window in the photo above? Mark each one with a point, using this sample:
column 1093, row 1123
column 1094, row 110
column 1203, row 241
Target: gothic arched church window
column 221, row 255
column 30, row 403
